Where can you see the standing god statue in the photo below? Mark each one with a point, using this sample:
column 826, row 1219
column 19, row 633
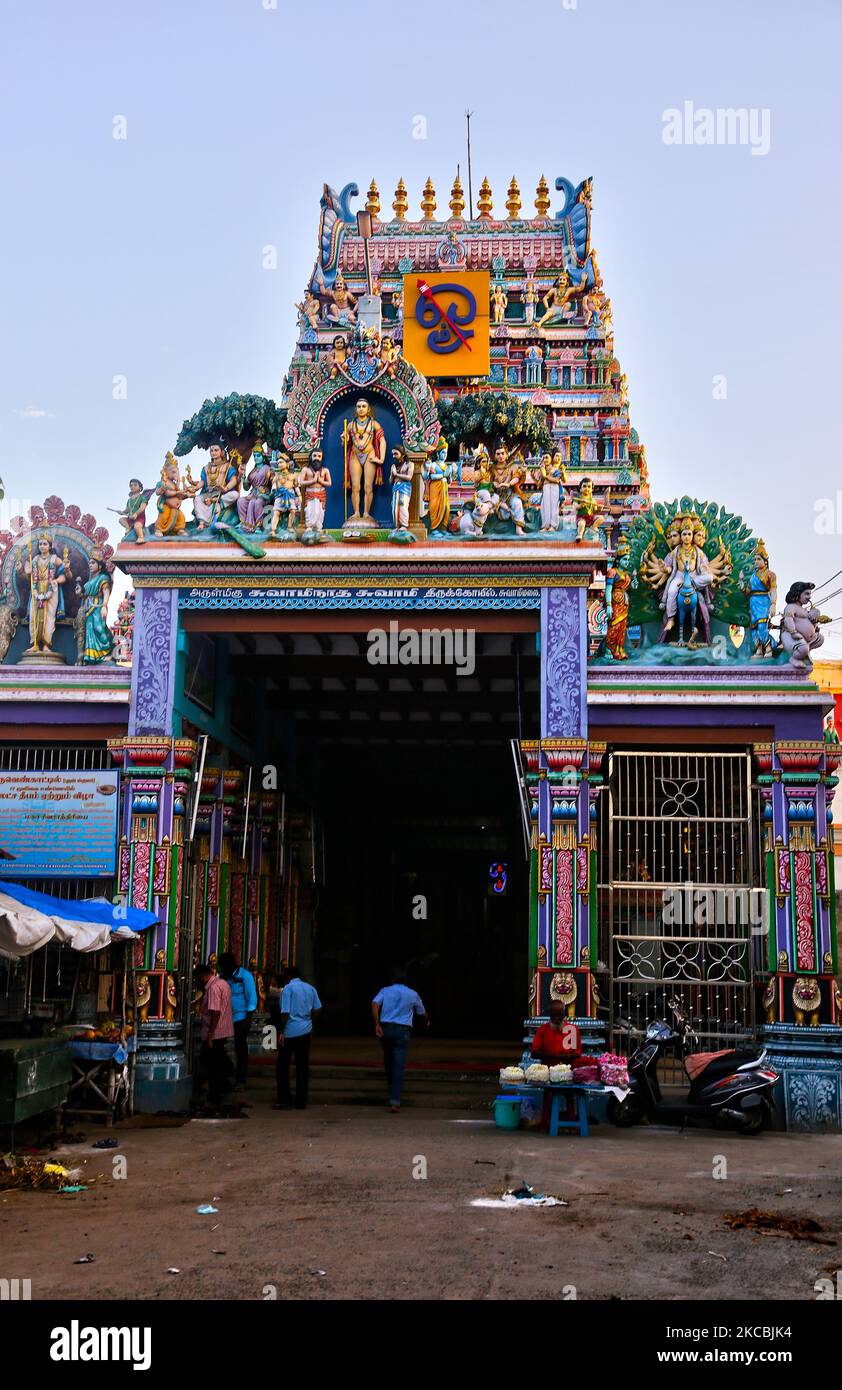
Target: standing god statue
column 47, row 574
column 314, row 480
column 401, row 479
column 365, row 453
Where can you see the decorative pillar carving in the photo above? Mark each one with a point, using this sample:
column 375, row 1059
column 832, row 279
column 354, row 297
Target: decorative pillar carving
column 800, row 1001
column 563, row 773
column 154, row 661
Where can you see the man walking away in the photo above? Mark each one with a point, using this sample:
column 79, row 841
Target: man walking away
column 299, row 1001
column 217, row 1028
column 243, row 1009
column 393, row 1010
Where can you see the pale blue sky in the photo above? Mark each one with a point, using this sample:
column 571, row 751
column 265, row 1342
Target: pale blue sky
column 142, row 257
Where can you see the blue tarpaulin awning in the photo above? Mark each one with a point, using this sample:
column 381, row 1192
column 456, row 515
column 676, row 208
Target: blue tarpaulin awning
column 29, row 920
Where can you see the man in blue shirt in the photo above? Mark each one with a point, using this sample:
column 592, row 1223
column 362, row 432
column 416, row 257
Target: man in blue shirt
column 243, row 1008
column 393, row 1010
column 299, row 1001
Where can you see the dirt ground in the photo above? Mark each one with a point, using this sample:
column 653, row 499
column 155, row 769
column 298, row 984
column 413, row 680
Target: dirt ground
column 324, row 1204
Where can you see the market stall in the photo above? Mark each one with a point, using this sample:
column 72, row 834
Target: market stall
column 557, row 1097
column 65, row 1037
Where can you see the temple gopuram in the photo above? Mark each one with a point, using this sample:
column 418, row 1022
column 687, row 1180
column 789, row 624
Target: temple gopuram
column 425, row 670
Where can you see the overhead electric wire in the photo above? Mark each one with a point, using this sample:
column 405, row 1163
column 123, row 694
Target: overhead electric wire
column 829, row 581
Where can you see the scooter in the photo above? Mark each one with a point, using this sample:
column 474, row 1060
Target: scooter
column 729, row 1090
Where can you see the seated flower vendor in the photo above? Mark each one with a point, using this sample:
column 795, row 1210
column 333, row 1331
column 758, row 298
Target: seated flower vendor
column 558, row 1040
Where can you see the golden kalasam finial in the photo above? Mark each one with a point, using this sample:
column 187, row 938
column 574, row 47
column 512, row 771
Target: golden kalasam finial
column 542, row 197
column 428, row 200
column 484, row 203
column 372, row 203
column 513, row 199
column 457, row 198
column 401, row 202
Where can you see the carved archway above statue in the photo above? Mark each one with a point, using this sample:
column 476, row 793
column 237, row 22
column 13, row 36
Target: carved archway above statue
column 70, row 541
column 327, row 381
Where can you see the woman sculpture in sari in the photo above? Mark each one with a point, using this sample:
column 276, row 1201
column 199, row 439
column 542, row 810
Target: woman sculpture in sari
column 46, row 574
column 618, row 583
column 552, row 477
column 762, row 589
column 96, row 593
column 436, row 472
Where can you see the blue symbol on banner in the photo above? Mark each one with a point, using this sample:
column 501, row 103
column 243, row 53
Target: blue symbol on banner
column 434, row 316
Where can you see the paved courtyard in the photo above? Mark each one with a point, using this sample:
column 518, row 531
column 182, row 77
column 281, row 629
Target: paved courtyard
column 332, row 1203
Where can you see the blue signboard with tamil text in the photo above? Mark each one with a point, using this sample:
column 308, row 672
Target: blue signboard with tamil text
column 58, row 824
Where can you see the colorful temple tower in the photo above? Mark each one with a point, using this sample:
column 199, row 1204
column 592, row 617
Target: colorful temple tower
column 452, row 453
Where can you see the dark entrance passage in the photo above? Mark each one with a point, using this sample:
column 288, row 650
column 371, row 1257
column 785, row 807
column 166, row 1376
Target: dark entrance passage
column 408, row 771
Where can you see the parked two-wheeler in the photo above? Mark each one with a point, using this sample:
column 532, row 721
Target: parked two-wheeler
column 730, row 1089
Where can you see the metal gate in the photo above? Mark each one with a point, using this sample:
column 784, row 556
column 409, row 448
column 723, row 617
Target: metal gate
column 679, row 893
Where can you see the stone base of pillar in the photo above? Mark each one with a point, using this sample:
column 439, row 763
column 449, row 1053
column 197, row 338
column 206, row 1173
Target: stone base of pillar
column 162, row 1074
column 808, row 1096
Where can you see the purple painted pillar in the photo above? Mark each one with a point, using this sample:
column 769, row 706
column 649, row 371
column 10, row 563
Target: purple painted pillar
column 780, row 834
column 564, row 828
column 564, row 656
column 154, row 661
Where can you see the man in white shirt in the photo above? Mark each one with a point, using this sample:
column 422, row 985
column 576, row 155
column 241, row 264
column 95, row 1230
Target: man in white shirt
column 299, row 1001
column 393, row 1010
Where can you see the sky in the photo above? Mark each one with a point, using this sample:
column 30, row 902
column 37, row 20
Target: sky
column 132, row 277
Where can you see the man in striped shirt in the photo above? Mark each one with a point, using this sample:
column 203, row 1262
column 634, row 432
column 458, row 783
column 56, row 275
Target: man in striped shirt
column 217, row 1028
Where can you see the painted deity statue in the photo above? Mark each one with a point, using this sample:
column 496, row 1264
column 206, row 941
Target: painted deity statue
column 47, row 575
column 401, row 480
column 314, row 480
column 251, row 509
column 530, row 299
column 436, row 474
column 762, row 589
column 342, row 309
column 338, row 355
column 587, row 509
column 389, row 354
column 133, row 516
column 219, row 489
column 800, row 625
column 506, row 475
column 499, row 304
column 309, row 311
column 286, row 499
column 365, row 453
column 8, row 625
column 686, row 575
column 482, row 467
column 171, row 492
column 95, row 594
column 617, row 585
column 553, row 476
column 556, row 300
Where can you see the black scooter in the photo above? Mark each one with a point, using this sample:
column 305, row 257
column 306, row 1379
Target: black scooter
column 730, row 1090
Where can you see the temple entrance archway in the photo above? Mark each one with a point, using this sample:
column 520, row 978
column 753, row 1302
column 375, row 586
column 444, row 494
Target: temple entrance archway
column 405, row 767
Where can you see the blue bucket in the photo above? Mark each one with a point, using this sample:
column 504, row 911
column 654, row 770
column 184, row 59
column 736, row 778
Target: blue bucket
column 506, row 1112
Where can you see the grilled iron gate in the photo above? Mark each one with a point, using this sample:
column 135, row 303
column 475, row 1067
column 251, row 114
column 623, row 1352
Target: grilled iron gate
column 678, row 893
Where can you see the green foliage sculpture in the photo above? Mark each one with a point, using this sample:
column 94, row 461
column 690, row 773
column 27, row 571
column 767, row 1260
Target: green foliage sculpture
column 235, row 421
column 721, row 527
column 488, row 415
